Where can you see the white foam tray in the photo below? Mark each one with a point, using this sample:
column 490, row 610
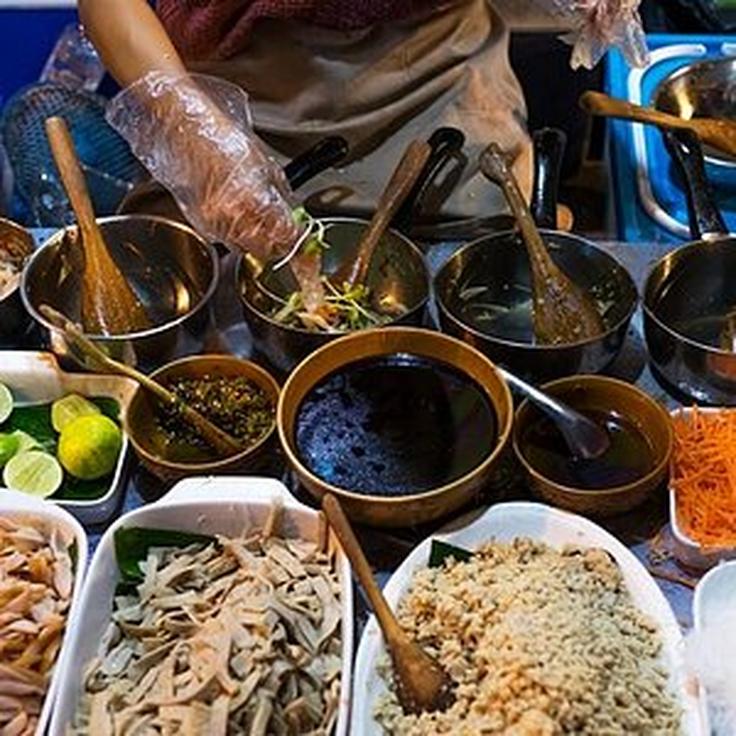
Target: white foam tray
column 36, row 378
column 504, row 522
column 19, row 505
column 208, row 506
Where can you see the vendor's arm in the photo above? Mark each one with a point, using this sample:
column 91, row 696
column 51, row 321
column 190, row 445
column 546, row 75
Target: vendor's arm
column 129, row 38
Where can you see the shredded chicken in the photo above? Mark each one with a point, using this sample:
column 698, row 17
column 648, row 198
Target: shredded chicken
column 241, row 636
column 539, row 642
column 36, row 578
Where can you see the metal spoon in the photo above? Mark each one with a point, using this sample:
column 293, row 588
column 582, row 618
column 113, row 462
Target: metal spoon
column 585, row 439
column 421, row 683
column 219, row 440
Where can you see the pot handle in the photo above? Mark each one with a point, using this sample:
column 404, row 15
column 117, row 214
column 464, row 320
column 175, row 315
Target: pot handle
column 445, row 143
column 706, row 220
column 549, row 150
column 320, row 157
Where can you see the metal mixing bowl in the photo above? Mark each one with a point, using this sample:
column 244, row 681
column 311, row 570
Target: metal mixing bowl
column 16, row 246
column 398, row 270
column 172, row 270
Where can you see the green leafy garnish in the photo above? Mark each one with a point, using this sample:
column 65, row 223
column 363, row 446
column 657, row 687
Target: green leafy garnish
column 132, row 545
column 442, row 551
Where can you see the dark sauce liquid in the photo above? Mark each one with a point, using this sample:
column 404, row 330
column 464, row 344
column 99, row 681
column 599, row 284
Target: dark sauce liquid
column 395, row 426
column 629, row 458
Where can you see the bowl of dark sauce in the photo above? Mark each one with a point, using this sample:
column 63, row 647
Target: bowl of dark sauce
column 404, row 425
column 634, row 467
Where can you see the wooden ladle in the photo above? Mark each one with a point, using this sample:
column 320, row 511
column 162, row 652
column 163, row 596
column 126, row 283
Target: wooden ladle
column 421, row 683
column 109, row 305
column 720, row 134
column 220, row 441
column 563, row 313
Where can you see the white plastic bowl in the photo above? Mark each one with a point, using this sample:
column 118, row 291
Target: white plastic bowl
column 36, row 378
column 687, row 550
column 505, row 522
column 17, row 505
column 207, row 506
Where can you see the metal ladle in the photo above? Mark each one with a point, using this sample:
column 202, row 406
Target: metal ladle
column 585, row 439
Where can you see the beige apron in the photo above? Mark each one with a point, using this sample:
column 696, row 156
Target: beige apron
column 381, row 87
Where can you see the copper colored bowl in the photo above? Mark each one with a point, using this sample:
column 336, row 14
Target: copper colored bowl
column 404, row 510
column 147, row 437
column 607, row 395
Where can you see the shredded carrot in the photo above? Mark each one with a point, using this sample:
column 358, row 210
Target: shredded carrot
column 704, row 476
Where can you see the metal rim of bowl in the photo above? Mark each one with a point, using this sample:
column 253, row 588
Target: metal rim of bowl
column 592, row 493
column 153, row 331
column 23, row 232
column 461, row 324
column 504, row 433
column 712, row 159
column 302, row 330
column 192, row 468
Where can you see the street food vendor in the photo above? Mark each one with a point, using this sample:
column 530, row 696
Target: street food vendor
column 377, row 72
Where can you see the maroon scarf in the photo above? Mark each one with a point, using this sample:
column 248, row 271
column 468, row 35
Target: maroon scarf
column 203, row 29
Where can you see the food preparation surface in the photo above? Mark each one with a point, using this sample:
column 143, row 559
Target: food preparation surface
column 645, row 531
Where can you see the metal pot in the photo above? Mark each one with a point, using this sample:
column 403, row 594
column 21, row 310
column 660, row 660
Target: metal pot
column 496, row 268
column 690, row 292
column 16, row 246
column 173, row 271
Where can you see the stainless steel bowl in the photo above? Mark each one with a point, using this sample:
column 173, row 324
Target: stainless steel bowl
column 398, row 270
column 16, row 246
column 172, row 270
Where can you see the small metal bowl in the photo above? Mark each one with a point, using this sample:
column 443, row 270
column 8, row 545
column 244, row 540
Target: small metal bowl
column 147, row 437
column 408, row 510
column 16, row 246
column 604, row 394
column 173, row 271
column 398, row 270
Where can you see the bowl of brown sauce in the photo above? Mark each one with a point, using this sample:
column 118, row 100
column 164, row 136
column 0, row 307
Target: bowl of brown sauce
column 404, row 425
column 634, row 467
column 236, row 395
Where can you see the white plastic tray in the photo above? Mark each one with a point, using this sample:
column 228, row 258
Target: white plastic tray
column 36, row 378
column 15, row 505
column 208, row 506
column 504, row 522
column 686, row 549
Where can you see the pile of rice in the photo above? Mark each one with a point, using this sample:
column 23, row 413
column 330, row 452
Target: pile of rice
column 539, row 642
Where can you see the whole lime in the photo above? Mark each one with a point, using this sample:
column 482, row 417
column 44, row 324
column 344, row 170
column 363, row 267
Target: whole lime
column 9, row 445
column 89, row 446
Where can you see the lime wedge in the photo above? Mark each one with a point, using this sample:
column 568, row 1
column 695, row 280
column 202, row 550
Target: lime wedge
column 9, row 445
column 6, row 402
column 25, row 441
column 35, row 472
column 71, row 407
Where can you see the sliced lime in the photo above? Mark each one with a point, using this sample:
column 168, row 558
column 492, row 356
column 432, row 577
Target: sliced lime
column 6, row 402
column 9, row 445
column 35, row 472
column 26, row 441
column 71, row 407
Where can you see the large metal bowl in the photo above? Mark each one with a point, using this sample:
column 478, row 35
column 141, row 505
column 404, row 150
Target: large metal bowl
column 16, row 246
column 398, row 269
column 407, row 510
column 172, row 270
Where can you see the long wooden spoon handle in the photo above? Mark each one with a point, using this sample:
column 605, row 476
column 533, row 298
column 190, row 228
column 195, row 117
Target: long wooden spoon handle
column 362, row 570
column 397, row 190
column 67, row 162
column 599, row 104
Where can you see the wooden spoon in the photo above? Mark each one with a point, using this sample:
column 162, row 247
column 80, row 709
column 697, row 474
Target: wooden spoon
column 563, row 312
column 220, row 441
column 109, row 305
column 421, row 683
column 397, row 190
column 720, row 134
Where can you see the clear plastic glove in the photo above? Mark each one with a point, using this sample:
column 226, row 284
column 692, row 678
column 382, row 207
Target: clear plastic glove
column 194, row 135
column 594, row 26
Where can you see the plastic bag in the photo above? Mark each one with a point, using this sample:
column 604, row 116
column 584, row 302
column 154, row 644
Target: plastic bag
column 594, row 26
column 194, row 135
